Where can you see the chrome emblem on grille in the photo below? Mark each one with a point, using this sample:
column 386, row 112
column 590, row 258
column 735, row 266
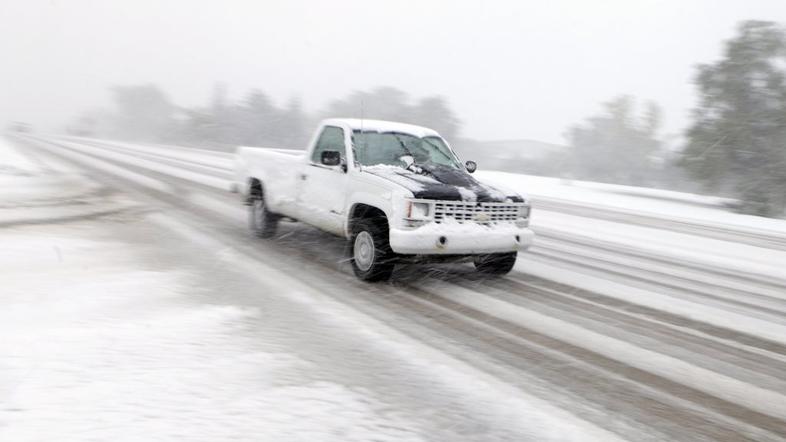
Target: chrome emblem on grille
column 482, row 217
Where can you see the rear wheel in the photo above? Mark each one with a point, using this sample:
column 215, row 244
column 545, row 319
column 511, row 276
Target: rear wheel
column 496, row 263
column 372, row 259
column 261, row 221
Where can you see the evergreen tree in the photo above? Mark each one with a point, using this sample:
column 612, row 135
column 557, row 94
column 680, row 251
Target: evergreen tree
column 616, row 146
column 737, row 143
column 142, row 112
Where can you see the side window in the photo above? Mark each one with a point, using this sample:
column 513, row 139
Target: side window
column 331, row 138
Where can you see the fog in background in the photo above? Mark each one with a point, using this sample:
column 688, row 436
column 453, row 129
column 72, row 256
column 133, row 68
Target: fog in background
column 555, row 89
column 511, row 69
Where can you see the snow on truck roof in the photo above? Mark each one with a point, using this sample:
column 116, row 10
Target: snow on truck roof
column 382, row 126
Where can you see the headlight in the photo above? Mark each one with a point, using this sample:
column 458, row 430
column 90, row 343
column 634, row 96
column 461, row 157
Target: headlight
column 523, row 219
column 417, row 210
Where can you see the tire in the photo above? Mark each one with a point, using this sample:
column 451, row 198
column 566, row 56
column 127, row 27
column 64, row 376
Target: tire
column 260, row 220
column 496, row 263
column 371, row 257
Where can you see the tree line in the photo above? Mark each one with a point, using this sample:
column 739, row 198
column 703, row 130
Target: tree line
column 145, row 113
column 735, row 145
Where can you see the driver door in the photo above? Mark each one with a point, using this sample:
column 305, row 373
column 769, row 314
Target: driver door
column 323, row 188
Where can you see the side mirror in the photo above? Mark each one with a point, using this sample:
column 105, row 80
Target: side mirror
column 331, row 158
column 471, row 166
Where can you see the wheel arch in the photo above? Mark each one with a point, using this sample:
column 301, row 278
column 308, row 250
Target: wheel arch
column 255, row 189
column 360, row 211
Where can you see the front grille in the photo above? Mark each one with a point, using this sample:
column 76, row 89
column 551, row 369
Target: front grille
column 481, row 213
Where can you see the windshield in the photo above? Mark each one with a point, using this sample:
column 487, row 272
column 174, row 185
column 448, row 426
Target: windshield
column 373, row 148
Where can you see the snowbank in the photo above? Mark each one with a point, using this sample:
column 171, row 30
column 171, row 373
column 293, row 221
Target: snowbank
column 655, row 202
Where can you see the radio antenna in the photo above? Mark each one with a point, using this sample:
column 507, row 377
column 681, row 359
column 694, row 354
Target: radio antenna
column 354, row 151
column 361, row 115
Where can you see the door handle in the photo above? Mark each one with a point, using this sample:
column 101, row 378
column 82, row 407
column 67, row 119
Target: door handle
column 303, row 176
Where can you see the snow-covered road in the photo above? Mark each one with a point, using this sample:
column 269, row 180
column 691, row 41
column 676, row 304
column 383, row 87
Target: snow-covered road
column 620, row 323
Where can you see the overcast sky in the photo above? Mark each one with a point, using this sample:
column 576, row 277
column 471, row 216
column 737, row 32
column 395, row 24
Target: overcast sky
column 511, row 69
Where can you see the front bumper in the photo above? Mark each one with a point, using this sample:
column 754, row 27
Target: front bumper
column 425, row 241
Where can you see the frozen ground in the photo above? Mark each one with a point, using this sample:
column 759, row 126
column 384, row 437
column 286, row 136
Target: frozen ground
column 107, row 334
column 163, row 318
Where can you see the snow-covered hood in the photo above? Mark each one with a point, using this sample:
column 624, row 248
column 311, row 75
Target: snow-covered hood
column 442, row 183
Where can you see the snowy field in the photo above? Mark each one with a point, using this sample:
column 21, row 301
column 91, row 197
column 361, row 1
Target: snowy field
column 136, row 308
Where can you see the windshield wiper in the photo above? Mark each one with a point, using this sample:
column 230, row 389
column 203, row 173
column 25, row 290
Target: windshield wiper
column 413, row 166
column 439, row 150
column 403, row 145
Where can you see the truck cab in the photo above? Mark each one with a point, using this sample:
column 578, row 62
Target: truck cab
column 395, row 191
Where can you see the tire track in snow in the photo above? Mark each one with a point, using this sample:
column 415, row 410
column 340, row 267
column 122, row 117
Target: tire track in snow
column 733, row 390
column 576, row 377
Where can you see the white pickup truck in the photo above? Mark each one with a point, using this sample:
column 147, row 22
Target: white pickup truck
column 396, row 191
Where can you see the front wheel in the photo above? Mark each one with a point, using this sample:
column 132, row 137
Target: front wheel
column 496, row 263
column 372, row 259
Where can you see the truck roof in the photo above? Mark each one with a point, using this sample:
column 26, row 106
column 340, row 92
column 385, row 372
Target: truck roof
column 382, row 126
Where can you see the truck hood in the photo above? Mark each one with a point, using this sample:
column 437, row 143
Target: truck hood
column 438, row 182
